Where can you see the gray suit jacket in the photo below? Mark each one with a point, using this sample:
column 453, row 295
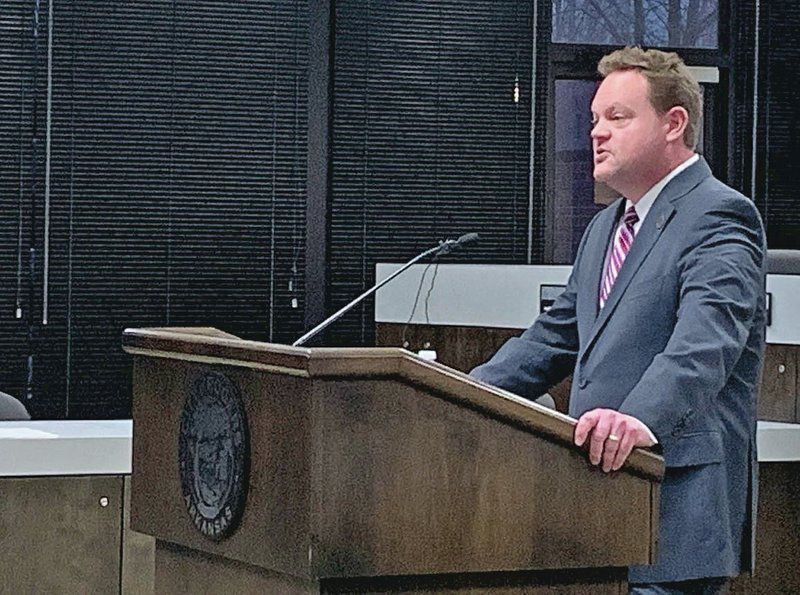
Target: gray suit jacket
column 678, row 345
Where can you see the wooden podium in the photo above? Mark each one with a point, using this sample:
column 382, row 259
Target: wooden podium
column 367, row 471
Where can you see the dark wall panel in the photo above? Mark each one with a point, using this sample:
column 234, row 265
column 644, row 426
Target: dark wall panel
column 110, row 168
column 17, row 171
column 780, row 145
column 428, row 140
column 176, row 189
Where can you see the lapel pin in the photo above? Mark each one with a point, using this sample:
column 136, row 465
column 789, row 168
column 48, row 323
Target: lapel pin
column 660, row 221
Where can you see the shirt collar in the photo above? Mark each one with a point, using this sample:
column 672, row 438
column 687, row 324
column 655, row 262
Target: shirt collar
column 643, row 206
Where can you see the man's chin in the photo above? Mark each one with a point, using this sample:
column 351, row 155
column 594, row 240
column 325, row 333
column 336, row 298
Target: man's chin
column 607, row 178
column 602, row 174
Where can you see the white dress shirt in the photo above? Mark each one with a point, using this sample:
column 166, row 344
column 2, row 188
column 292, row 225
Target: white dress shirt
column 643, row 206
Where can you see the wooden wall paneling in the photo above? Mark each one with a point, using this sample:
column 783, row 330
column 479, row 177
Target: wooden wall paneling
column 777, row 533
column 137, row 572
column 459, row 347
column 58, row 536
column 778, row 399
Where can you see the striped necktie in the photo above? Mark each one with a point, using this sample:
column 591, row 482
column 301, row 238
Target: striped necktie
column 622, row 243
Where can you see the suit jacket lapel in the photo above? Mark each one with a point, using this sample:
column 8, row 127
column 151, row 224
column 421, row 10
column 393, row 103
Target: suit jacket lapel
column 658, row 218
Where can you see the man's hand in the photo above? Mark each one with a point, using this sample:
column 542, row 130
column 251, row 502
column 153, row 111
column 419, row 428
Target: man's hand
column 613, row 436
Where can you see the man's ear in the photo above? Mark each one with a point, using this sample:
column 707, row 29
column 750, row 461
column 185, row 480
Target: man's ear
column 676, row 119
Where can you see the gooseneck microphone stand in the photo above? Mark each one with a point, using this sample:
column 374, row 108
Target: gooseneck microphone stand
column 443, row 248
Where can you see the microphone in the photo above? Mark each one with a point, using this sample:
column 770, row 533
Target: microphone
column 450, row 245
column 445, row 247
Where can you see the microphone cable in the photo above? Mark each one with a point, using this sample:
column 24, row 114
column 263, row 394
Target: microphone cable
column 435, row 261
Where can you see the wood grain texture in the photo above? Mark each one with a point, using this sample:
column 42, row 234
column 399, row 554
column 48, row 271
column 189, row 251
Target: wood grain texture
column 138, row 554
column 411, row 484
column 274, row 530
column 372, row 462
column 182, row 571
column 56, row 536
column 282, row 360
column 778, row 398
column 777, row 568
column 459, row 347
column 778, row 529
column 463, row 348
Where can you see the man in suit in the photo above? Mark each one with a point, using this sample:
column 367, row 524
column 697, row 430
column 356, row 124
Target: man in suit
column 661, row 324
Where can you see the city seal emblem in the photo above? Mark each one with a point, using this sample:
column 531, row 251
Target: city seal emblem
column 214, row 455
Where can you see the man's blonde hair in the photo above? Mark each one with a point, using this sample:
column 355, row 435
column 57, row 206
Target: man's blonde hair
column 671, row 83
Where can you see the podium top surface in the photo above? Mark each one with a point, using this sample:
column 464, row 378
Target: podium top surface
column 213, row 347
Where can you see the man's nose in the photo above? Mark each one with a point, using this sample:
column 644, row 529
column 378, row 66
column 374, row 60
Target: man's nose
column 599, row 130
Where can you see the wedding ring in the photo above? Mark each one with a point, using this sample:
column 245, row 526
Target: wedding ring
column 613, row 437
